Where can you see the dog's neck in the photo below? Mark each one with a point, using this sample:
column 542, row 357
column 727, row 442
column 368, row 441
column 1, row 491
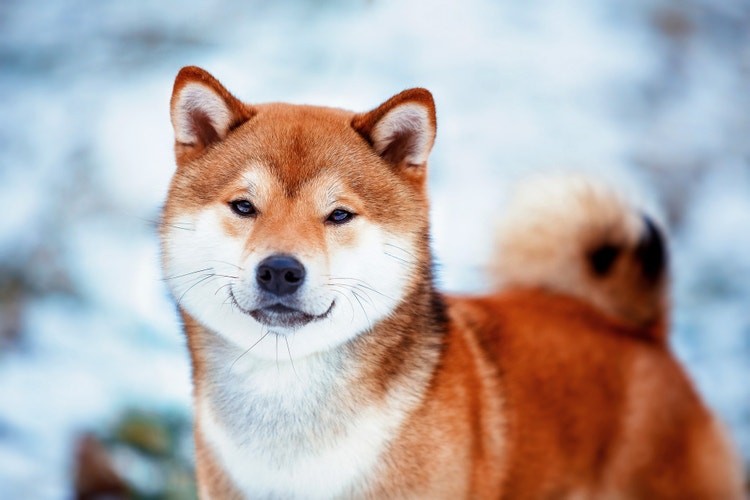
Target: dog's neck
column 286, row 397
column 323, row 419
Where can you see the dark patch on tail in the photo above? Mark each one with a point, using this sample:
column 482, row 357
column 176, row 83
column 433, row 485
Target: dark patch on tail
column 603, row 257
column 651, row 251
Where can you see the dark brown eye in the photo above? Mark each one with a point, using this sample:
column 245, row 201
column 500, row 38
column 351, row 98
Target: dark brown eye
column 340, row 216
column 243, row 208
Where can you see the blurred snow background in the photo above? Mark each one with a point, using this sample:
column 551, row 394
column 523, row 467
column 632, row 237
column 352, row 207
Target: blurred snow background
column 652, row 95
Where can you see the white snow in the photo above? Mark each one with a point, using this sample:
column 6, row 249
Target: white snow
column 521, row 87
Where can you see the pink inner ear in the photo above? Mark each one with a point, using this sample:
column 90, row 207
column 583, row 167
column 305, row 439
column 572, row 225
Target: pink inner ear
column 401, row 147
column 202, row 128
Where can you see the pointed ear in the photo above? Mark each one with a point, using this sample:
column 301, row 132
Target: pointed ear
column 401, row 130
column 203, row 112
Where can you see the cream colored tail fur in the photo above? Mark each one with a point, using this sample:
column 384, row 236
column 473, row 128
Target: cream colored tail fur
column 577, row 237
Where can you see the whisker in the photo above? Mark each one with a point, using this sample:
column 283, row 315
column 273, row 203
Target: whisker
column 184, row 226
column 401, row 249
column 186, row 274
column 175, row 226
column 201, row 280
column 356, row 296
column 226, row 276
column 291, row 360
column 225, row 285
column 363, row 296
column 229, row 299
column 277, row 354
column 156, row 224
column 228, row 302
column 351, row 305
column 249, row 349
column 398, row 258
column 227, row 263
column 365, row 285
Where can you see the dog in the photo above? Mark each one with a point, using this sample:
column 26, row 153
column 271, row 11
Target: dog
column 326, row 364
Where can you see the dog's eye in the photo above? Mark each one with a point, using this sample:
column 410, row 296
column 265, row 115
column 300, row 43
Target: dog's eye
column 340, row 216
column 243, row 208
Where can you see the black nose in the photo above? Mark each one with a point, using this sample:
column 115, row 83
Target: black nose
column 280, row 274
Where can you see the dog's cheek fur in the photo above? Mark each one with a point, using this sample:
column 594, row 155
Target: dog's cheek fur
column 198, row 259
column 371, row 272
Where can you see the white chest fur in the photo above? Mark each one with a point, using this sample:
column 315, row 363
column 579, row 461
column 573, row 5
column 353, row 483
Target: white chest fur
column 293, row 435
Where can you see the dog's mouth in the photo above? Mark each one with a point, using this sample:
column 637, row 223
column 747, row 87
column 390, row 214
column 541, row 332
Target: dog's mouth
column 279, row 315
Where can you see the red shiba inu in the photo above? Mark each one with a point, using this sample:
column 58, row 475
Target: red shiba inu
column 326, row 364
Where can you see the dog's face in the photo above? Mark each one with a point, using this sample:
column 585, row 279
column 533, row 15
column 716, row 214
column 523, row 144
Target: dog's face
column 294, row 224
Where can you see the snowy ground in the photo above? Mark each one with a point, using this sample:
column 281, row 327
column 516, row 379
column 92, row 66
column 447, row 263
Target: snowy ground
column 650, row 94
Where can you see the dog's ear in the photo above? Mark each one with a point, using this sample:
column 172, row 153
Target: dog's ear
column 203, row 112
column 401, row 130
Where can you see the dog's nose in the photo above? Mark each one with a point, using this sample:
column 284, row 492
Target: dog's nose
column 280, row 274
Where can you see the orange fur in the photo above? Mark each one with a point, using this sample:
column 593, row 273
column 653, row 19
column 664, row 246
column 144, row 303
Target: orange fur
column 543, row 390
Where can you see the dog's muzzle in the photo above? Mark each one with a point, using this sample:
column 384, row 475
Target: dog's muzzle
column 278, row 278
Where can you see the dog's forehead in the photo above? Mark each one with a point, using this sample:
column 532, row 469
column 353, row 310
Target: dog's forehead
column 285, row 133
column 262, row 183
column 300, row 145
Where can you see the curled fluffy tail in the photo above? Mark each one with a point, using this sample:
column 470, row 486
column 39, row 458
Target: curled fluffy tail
column 576, row 237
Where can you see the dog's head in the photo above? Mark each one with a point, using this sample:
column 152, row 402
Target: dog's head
column 297, row 222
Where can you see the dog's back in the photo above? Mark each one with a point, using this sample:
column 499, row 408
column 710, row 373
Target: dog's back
column 593, row 410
